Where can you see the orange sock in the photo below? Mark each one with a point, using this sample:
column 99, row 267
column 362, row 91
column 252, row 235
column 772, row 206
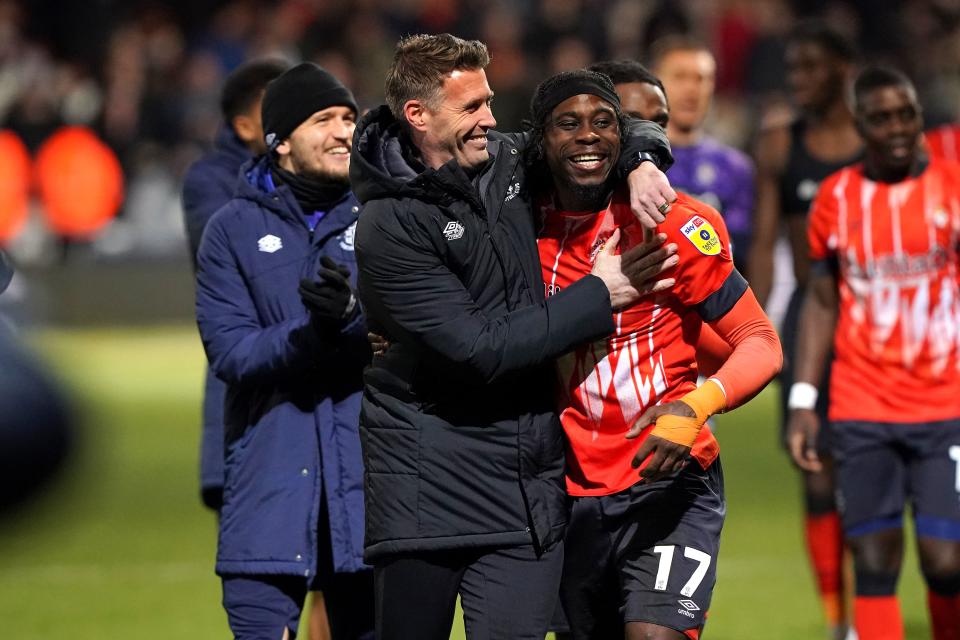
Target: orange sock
column 825, row 547
column 878, row 618
column 944, row 616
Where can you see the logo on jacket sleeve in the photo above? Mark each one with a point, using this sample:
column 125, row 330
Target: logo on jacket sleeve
column 702, row 234
column 269, row 244
column 512, row 192
column 347, row 237
column 453, row 230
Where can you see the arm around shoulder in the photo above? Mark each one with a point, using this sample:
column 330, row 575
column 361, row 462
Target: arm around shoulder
column 408, row 289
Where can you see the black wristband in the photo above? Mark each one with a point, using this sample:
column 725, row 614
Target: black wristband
column 627, row 165
column 644, row 156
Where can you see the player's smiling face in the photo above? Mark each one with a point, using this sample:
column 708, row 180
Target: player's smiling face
column 581, row 143
column 890, row 121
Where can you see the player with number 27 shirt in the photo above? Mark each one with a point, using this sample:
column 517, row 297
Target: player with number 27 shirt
column 884, row 240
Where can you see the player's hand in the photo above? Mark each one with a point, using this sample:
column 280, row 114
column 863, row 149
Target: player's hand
column 378, row 343
column 665, row 457
column 650, row 194
column 649, row 259
column 330, row 299
column 803, row 426
column 626, row 284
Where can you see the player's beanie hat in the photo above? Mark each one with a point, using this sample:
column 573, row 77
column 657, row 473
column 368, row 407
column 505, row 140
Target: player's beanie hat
column 296, row 95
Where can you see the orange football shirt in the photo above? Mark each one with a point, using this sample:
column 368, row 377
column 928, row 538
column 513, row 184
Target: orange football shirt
column 897, row 341
column 944, row 142
column 651, row 357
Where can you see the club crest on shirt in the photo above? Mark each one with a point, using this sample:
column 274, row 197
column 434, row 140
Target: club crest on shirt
column 597, row 247
column 702, row 234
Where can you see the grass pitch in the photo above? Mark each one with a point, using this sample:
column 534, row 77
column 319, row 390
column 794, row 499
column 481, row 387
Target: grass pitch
column 119, row 545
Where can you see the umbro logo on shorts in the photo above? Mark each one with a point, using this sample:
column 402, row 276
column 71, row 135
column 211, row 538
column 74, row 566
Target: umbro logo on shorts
column 689, row 605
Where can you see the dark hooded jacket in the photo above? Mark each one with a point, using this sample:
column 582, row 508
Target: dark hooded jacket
column 293, row 393
column 462, row 443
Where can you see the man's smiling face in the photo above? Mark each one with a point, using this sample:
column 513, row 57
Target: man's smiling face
column 581, row 143
column 320, row 146
column 457, row 127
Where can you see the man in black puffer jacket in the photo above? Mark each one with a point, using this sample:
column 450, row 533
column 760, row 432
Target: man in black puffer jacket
column 463, row 450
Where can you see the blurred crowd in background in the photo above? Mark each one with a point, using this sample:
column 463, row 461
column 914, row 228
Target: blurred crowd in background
column 144, row 78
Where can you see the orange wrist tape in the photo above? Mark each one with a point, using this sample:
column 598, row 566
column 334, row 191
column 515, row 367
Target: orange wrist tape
column 679, row 429
column 705, row 401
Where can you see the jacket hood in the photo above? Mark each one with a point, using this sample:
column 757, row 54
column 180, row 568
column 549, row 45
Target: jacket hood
column 379, row 168
column 256, row 185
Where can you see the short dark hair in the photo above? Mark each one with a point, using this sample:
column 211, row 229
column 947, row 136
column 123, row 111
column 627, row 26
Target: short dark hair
column 626, row 71
column 876, row 77
column 678, row 42
column 821, row 34
column 244, row 86
column 422, row 62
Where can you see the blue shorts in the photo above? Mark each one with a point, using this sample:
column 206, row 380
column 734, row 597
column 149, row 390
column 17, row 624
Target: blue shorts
column 645, row 554
column 881, row 466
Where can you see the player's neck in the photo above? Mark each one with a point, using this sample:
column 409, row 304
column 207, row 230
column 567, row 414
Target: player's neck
column 874, row 169
column 583, row 200
column 834, row 116
column 683, row 137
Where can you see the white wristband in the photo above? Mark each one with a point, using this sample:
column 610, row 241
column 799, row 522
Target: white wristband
column 803, row 395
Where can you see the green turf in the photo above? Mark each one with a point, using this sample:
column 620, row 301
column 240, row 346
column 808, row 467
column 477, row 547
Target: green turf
column 119, row 546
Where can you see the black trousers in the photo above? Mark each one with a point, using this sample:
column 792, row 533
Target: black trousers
column 506, row 594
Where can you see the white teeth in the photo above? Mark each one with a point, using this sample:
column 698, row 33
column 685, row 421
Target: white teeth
column 338, row 150
column 586, row 158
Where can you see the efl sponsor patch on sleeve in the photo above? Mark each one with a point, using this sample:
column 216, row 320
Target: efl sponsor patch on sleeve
column 702, row 234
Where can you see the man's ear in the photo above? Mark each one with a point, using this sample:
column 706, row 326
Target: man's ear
column 283, row 148
column 416, row 114
column 245, row 127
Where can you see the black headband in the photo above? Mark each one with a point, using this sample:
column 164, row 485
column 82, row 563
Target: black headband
column 574, row 86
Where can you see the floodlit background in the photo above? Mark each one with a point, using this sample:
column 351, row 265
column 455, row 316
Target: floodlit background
column 106, row 536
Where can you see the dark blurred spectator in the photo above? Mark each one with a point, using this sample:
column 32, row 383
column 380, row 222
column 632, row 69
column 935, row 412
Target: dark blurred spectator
column 36, row 432
column 208, row 185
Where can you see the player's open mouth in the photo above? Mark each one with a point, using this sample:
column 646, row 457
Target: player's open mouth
column 900, row 149
column 341, row 152
column 588, row 162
